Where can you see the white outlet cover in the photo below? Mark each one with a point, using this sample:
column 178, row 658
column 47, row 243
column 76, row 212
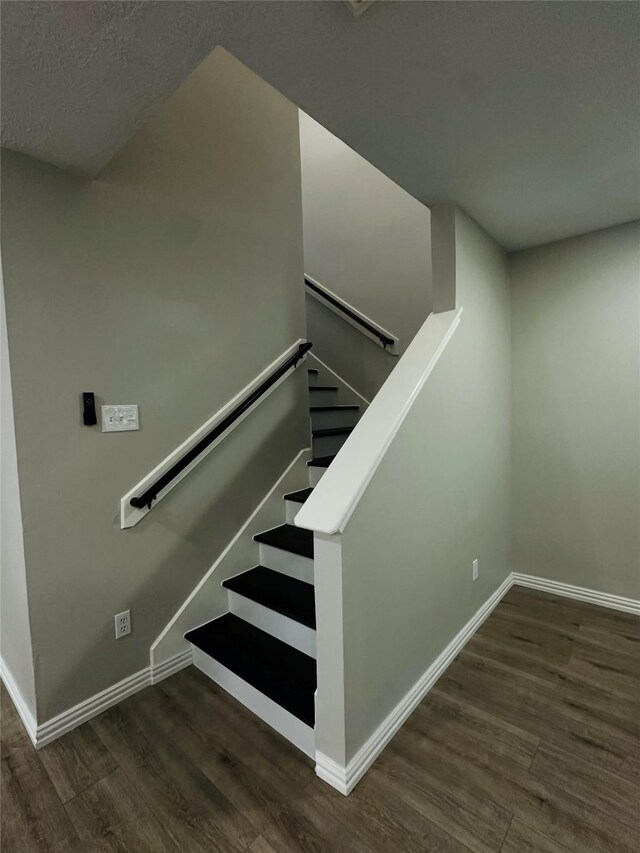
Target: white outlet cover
column 122, row 623
column 119, row 418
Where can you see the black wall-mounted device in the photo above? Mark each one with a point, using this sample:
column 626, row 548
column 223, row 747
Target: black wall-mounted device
column 89, row 408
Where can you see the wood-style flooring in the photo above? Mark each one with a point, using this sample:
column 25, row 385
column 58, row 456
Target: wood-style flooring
column 529, row 742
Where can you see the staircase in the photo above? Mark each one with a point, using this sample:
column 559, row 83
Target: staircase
column 262, row 651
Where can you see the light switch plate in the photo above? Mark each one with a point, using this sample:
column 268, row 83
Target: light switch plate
column 119, row 418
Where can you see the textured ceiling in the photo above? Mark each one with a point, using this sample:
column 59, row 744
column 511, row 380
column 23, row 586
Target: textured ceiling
column 526, row 113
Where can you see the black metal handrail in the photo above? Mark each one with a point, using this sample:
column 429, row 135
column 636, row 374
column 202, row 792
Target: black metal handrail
column 148, row 496
column 385, row 339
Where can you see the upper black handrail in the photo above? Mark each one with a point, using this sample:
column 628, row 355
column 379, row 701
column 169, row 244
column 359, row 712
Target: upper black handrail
column 148, row 496
column 385, row 339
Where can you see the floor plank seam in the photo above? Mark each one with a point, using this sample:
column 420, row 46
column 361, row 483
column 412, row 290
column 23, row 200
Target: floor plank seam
column 545, row 835
column 535, row 754
column 491, row 759
column 504, row 840
column 65, row 803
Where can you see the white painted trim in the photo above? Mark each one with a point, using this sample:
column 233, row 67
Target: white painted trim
column 59, row 725
column 579, row 593
column 315, row 475
column 290, row 564
column 276, row 624
column 222, row 556
column 83, row 711
column 130, row 516
column 392, row 349
column 339, row 378
column 274, row 715
column 330, row 505
column 292, row 508
column 171, row 666
column 24, row 712
column 344, row 779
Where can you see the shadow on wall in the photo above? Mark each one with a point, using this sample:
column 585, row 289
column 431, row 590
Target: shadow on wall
column 369, row 242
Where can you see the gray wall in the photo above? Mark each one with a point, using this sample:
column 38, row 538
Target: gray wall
column 408, row 587
column 368, row 241
column 171, row 282
column 15, row 632
column 576, row 410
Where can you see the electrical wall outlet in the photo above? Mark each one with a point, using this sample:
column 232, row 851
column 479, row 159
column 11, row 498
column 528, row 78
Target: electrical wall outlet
column 123, row 624
column 474, row 570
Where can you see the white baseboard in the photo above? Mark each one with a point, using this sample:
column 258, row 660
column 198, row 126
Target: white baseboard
column 580, row 593
column 344, row 779
column 24, row 712
column 57, row 726
column 341, row 778
column 171, row 666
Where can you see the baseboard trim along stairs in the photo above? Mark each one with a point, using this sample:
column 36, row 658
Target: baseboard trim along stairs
column 41, row 735
column 344, row 779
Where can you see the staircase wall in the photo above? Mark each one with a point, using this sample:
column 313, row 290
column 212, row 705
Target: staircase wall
column 439, row 499
column 369, row 242
column 170, row 281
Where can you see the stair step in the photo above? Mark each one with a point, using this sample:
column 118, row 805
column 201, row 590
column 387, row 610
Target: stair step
column 319, row 433
column 328, row 416
column 299, row 497
column 293, row 501
column 288, row 538
column 328, row 441
column 320, row 462
column 322, row 395
column 278, row 671
column 312, row 370
column 278, row 592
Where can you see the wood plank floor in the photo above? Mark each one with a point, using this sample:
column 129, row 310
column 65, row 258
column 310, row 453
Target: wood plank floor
column 529, row 742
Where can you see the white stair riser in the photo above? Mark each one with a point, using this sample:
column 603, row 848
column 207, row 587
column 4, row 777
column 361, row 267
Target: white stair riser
column 328, row 445
column 293, row 508
column 334, row 418
column 282, row 627
column 290, row 727
column 315, row 475
column 323, row 398
column 293, row 565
